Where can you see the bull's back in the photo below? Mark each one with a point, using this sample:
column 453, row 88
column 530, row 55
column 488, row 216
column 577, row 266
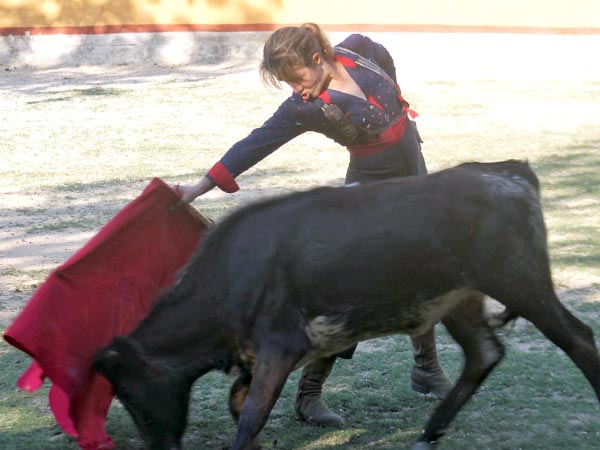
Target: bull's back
column 388, row 232
column 374, row 241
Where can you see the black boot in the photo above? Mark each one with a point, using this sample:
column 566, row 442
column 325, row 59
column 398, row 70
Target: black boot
column 426, row 375
column 309, row 405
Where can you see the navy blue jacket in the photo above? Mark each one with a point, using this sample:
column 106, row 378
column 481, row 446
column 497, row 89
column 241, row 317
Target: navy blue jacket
column 296, row 116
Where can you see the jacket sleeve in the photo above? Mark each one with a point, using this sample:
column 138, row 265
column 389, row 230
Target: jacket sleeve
column 372, row 50
column 292, row 118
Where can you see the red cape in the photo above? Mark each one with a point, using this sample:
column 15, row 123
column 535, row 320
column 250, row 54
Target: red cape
column 103, row 290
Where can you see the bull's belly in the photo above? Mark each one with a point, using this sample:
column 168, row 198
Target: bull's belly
column 329, row 334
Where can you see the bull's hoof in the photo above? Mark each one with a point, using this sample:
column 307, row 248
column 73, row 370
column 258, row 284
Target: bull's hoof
column 421, row 445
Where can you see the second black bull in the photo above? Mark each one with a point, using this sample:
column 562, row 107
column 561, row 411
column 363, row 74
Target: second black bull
column 282, row 282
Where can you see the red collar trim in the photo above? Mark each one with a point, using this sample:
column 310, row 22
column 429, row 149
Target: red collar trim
column 372, row 101
column 325, row 97
column 346, row 62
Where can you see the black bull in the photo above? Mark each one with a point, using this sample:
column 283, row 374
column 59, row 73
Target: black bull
column 285, row 281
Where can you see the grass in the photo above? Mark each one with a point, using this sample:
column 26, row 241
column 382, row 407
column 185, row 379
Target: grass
column 75, row 149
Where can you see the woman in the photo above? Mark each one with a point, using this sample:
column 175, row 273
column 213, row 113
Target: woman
column 348, row 93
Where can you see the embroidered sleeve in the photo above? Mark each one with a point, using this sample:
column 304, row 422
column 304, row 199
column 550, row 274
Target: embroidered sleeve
column 292, row 118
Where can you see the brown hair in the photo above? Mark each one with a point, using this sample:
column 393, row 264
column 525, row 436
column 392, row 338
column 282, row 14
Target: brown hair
column 290, row 47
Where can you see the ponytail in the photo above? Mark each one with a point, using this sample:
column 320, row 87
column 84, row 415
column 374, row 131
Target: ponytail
column 324, row 44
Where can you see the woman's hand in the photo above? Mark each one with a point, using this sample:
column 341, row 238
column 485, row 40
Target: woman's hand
column 190, row 193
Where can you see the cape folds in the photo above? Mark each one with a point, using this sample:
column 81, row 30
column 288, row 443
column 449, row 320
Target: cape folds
column 103, row 290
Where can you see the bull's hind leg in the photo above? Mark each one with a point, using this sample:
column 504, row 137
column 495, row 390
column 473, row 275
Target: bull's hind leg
column 516, row 272
column 539, row 304
column 271, row 370
column 573, row 336
column 482, row 350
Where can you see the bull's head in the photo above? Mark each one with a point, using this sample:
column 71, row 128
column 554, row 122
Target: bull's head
column 155, row 398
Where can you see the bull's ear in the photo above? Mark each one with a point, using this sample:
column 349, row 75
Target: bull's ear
column 121, row 357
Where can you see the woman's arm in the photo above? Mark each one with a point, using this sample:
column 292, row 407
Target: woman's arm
column 292, row 118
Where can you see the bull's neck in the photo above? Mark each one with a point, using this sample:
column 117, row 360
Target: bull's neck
column 194, row 343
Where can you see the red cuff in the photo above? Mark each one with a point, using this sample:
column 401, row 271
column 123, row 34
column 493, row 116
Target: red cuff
column 223, row 178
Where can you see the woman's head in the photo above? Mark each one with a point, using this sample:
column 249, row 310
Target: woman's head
column 291, row 48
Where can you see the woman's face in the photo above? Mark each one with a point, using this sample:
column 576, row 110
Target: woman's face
column 309, row 82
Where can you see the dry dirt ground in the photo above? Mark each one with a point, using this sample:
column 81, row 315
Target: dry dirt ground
column 32, row 241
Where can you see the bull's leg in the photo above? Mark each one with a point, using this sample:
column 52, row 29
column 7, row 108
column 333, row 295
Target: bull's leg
column 542, row 307
column 530, row 294
column 271, row 370
column 482, row 350
column 238, row 394
column 574, row 337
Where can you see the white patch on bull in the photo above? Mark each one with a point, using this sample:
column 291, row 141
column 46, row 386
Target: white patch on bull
column 323, row 331
column 435, row 309
column 490, row 351
column 330, row 334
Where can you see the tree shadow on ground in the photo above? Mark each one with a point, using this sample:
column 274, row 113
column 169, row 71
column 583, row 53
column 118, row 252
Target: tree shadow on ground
column 570, row 186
